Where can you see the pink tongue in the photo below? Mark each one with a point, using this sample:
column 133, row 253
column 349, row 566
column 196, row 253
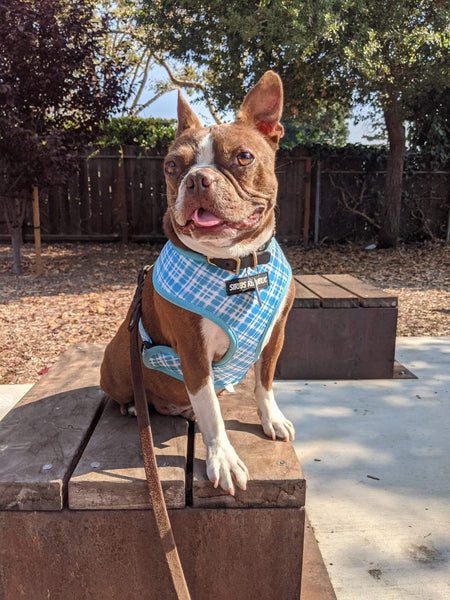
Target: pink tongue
column 204, row 218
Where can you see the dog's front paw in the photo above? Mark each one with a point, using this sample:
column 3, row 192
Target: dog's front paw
column 224, row 467
column 275, row 425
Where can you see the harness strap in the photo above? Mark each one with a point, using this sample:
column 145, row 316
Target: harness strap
column 151, row 470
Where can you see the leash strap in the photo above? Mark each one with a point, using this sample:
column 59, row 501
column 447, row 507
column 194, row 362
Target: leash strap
column 151, row 470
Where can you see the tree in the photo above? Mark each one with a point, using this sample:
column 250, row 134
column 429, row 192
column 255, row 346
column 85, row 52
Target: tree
column 393, row 53
column 234, row 43
column 55, row 90
column 329, row 53
column 127, row 39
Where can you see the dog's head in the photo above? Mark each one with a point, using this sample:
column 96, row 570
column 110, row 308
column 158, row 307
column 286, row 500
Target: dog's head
column 221, row 183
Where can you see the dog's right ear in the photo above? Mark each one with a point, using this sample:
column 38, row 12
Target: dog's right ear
column 187, row 119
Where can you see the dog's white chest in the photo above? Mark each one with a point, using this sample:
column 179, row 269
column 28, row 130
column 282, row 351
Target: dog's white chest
column 216, row 340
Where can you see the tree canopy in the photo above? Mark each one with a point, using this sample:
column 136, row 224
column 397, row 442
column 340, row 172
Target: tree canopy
column 234, row 43
column 394, row 53
column 56, row 88
column 329, row 53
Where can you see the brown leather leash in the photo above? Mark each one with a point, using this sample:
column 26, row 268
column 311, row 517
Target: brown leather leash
column 145, row 432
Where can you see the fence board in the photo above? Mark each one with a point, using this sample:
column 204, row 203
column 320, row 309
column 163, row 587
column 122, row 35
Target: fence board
column 94, row 225
column 85, row 207
column 291, row 171
column 74, row 204
column 113, row 198
column 106, row 183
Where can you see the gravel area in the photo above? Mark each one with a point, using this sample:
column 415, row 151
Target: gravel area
column 86, row 289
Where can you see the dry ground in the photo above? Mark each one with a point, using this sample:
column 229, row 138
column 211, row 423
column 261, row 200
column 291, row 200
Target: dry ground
column 86, row 290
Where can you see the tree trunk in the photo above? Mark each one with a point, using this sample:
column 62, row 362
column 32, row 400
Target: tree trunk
column 14, row 209
column 16, row 244
column 37, row 231
column 390, row 220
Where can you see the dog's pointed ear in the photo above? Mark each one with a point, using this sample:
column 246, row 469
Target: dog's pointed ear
column 187, row 119
column 263, row 106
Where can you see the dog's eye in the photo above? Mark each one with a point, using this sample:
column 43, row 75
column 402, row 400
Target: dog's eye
column 170, row 167
column 245, row 158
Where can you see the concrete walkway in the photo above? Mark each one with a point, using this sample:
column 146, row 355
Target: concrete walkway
column 376, row 456
column 10, row 395
column 376, row 459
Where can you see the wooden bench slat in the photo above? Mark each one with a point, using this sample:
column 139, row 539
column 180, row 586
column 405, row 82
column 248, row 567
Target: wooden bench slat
column 42, row 434
column 369, row 296
column 304, row 298
column 110, row 474
column 330, row 294
column 276, row 478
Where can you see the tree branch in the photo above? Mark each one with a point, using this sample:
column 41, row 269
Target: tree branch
column 196, row 85
column 142, row 84
column 344, row 201
column 155, row 97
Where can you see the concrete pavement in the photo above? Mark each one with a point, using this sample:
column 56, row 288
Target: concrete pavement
column 376, row 460
column 10, row 395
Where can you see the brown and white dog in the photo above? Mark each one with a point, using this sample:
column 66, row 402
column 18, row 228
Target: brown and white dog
column 221, row 193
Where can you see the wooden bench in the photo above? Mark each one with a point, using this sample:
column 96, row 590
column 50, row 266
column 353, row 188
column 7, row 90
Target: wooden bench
column 339, row 328
column 75, row 519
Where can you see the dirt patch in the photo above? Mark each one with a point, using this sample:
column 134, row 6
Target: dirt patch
column 87, row 288
column 375, row 573
column 426, row 555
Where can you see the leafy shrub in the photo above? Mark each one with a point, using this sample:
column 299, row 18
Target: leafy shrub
column 150, row 134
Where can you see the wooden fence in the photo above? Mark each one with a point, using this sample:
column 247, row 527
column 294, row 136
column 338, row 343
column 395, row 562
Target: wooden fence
column 123, row 198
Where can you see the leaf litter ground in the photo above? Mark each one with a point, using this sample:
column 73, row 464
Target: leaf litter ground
column 87, row 288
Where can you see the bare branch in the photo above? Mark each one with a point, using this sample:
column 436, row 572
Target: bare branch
column 420, row 215
column 196, row 85
column 130, row 87
column 155, row 97
column 344, row 193
column 142, row 84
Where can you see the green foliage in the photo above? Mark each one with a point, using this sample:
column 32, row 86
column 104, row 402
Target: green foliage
column 149, row 134
column 235, row 42
column 393, row 51
column 324, row 127
column 55, row 89
column 429, row 132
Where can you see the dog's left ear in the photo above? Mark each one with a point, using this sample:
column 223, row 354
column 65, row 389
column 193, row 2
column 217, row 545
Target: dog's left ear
column 187, row 119
column 263, row 106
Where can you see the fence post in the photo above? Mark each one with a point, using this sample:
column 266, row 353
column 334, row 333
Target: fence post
column 37, row 231
column 122, row 197
column 317, row 203
column 307, row 212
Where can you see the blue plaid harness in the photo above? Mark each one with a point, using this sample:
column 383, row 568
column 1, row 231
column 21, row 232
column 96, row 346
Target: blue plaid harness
column 187, row 280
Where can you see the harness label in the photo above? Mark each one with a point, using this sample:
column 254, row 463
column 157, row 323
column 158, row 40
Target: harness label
column 247, row 284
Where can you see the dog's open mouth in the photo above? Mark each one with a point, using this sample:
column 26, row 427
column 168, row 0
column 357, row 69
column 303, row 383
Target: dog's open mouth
column 203, row 220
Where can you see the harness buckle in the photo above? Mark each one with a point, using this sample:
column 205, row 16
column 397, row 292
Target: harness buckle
column 238, row 266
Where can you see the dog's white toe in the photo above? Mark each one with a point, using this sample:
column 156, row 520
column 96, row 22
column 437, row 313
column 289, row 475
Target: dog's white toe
column 225, row 468
column 280, row 428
